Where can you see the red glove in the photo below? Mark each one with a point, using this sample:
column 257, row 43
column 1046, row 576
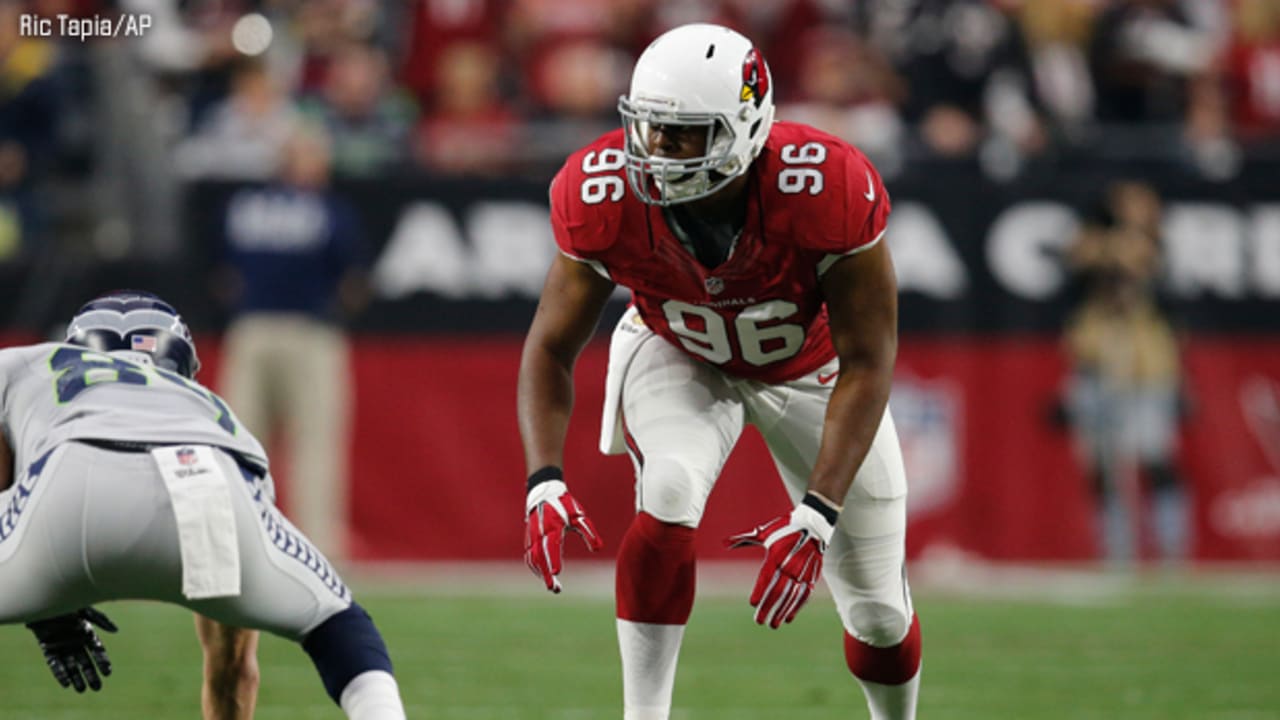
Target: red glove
column 794, row 547
column 550, row 512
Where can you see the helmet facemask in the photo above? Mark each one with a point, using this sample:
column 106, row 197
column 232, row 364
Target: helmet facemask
column 665, row 181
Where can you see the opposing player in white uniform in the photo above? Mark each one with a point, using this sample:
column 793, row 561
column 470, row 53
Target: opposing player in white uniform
column 132, row 481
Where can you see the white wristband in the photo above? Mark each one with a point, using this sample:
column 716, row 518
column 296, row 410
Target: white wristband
column 809, row 519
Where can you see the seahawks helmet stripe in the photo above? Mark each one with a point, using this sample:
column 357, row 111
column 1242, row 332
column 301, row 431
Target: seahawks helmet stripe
column 110, row 322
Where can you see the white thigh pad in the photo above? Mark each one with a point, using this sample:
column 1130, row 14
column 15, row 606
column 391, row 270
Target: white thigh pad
column 684, row 419
column 876, row 503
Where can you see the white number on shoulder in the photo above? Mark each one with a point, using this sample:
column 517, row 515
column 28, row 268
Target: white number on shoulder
column 793, row 180
column 705, row 333
column 597, row 188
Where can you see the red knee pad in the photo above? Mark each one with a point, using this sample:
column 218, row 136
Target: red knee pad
column 887, row 666
column 656, row 572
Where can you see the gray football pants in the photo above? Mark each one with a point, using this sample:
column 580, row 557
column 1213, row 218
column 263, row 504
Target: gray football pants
column 95, row 525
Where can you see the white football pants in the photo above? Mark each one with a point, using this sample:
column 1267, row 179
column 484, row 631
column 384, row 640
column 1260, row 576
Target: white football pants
column 685, row 416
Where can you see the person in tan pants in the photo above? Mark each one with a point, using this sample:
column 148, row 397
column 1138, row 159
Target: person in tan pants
column 293, row 268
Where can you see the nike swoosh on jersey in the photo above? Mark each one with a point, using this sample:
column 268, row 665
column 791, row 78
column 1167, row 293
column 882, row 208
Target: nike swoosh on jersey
column 824, row 379
column 870, row 194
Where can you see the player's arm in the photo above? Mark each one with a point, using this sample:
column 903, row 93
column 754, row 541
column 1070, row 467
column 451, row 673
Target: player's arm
column 861, row 292
column 573, row 298
column 861, row 296
column 230, row 687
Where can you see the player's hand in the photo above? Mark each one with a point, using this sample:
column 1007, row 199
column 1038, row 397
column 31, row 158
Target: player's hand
column 72, row 648
column 794, row 545
column 550, row 511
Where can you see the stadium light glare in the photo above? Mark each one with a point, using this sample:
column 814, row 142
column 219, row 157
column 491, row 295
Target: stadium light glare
column 251, row 35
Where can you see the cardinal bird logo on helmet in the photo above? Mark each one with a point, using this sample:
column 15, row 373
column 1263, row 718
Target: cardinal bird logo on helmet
column 755, row 79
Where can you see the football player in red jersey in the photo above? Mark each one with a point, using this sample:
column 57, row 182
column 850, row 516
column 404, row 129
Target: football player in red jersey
column 763, row 294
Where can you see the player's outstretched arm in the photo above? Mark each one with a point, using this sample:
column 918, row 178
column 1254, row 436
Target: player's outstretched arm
column 72, row 649
column 573, row 297
column 230, row 687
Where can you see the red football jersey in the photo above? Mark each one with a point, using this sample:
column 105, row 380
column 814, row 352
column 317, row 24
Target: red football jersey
column 760, row 314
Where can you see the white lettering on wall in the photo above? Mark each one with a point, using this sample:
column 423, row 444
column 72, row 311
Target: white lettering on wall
column 923, row 257
column 513, row 247
column 503, row 248
column 424, row 254
column 509, row 252
column 1265, row 260
column 1025, row 246
column 1204, row 250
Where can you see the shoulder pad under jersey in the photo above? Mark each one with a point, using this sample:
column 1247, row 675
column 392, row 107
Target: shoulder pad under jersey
column 588, row 196
column 819, row 191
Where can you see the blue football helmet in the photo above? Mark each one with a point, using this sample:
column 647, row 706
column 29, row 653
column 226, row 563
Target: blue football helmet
column 136, row 321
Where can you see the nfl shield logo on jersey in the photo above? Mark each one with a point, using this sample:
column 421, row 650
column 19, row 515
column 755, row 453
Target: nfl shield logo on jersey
column 186, row 456
column 714, row 285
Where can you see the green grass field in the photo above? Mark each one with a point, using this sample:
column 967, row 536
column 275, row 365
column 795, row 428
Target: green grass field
column 1161, row 651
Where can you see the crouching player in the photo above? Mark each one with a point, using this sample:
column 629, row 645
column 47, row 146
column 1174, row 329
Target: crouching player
column 129, row 480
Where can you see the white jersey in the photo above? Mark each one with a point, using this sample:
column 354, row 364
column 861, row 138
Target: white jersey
column 52, row 393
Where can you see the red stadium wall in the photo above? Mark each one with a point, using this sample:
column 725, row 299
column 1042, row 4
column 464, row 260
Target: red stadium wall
column 437, row 470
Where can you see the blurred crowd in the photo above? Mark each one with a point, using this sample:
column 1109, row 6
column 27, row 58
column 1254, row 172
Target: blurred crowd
column 216, row 88
column 463, row 85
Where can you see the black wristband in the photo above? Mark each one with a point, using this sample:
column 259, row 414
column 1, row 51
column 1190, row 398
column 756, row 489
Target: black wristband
column 828, row 512
column 546, row 474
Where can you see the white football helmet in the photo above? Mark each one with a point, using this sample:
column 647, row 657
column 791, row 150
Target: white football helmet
column 696, row 75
